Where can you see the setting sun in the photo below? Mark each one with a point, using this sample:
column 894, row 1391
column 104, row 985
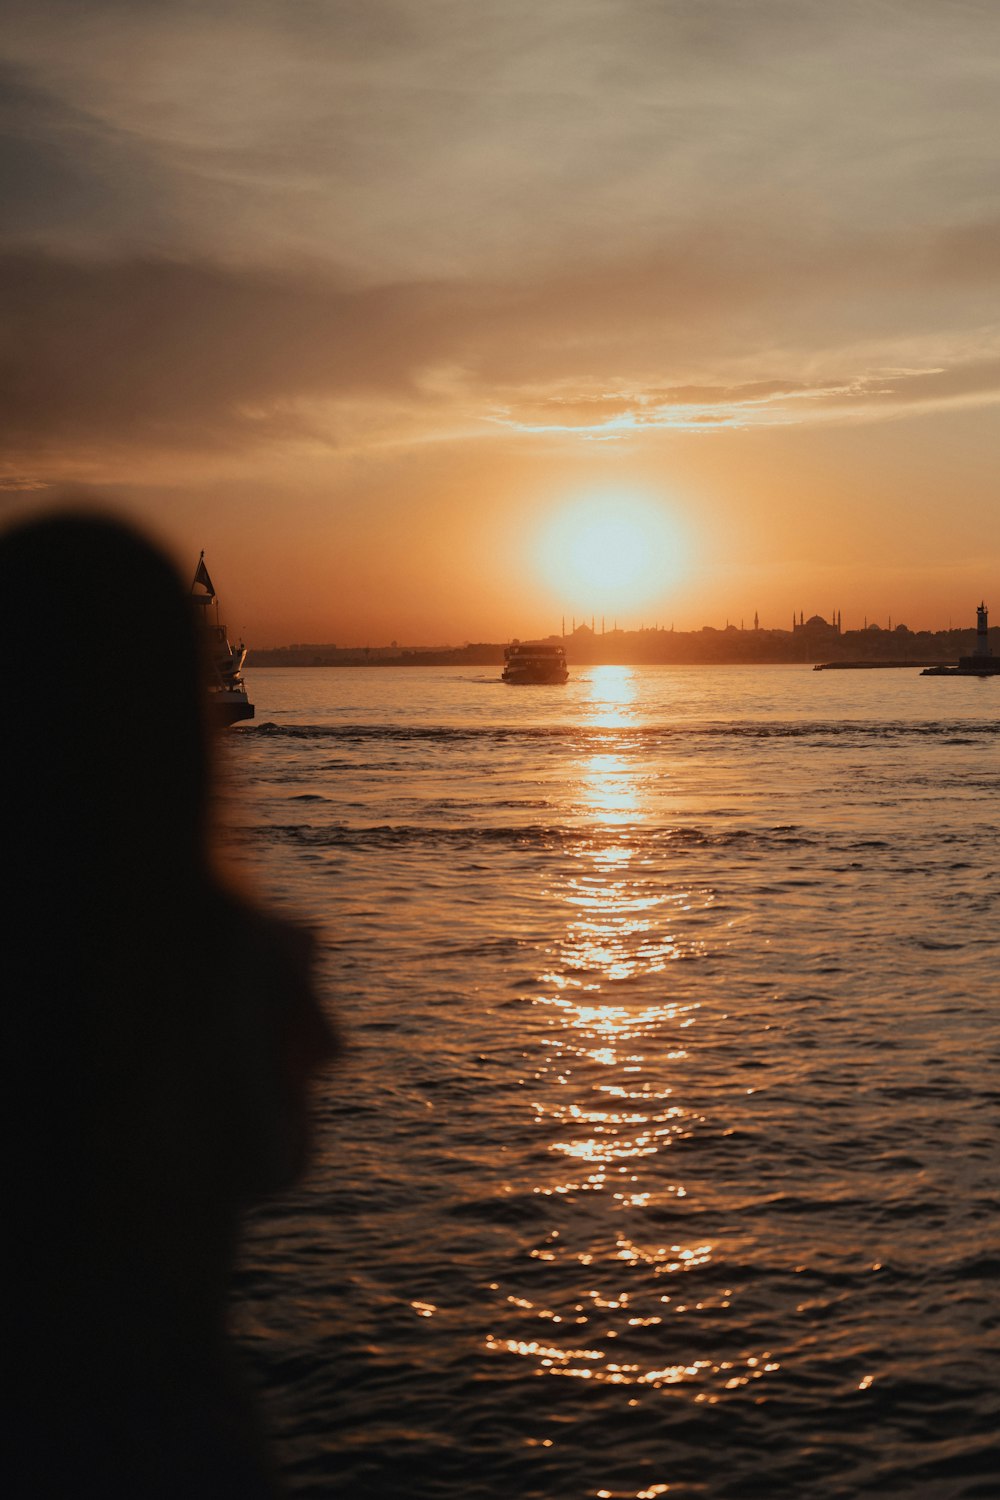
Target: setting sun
column 613, row 551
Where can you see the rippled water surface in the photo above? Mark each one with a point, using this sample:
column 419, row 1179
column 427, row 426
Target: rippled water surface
column 665, row 1155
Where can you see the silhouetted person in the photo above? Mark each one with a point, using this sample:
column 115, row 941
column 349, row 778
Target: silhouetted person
column 158, row 1036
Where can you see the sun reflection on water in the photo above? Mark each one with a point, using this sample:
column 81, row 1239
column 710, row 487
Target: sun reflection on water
column 608, row 1095
column 614, row 694
column 611, row 794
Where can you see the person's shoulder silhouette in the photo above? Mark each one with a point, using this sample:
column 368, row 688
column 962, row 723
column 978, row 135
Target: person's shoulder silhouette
column 159, row 1034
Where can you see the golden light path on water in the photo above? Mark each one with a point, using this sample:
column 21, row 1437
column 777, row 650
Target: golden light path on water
column 608, row 1093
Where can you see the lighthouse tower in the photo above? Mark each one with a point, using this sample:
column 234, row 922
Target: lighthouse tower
column 982, row 647
column 982, row 662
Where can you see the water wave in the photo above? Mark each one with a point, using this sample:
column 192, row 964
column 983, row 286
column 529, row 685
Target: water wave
column 639, row 734
column 542, row 835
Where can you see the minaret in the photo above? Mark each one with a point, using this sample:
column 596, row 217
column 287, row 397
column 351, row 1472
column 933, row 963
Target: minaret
column 756, row 620
column 982, row 635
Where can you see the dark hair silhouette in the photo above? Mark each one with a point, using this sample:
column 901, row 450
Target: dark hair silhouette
column 159, row 1034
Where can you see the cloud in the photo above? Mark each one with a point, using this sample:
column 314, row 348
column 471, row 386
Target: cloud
column 762, row 403
column 169, row 353
column 419, row 142
column 68, row 175
column 160, row 351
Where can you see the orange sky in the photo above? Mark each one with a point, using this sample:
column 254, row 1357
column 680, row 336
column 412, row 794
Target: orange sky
column 380, row 302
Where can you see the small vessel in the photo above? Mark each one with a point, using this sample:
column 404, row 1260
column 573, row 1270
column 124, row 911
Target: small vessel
column 534, row 661
column 227, row 692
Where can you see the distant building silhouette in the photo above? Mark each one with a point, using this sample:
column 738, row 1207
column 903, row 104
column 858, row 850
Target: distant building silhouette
column 815, row 628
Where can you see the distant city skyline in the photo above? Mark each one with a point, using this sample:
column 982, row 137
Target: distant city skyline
column 399, row 311
column 815, row 627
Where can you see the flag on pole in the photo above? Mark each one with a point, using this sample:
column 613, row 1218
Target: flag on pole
column 201, row 576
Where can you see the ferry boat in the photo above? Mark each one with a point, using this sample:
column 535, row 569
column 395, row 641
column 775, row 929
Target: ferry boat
column 227, row 692
column 534, row 661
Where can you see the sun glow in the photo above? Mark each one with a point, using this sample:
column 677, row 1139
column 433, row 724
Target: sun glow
column 611, row 551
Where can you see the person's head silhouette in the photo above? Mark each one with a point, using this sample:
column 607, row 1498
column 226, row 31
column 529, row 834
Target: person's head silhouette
column 100, row 673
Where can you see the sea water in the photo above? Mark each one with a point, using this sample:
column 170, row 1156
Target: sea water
column 664, row 1155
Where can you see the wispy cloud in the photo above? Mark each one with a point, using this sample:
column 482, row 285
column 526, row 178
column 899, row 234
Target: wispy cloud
column 161, row 352
column 418, row 141
column 872, row 396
